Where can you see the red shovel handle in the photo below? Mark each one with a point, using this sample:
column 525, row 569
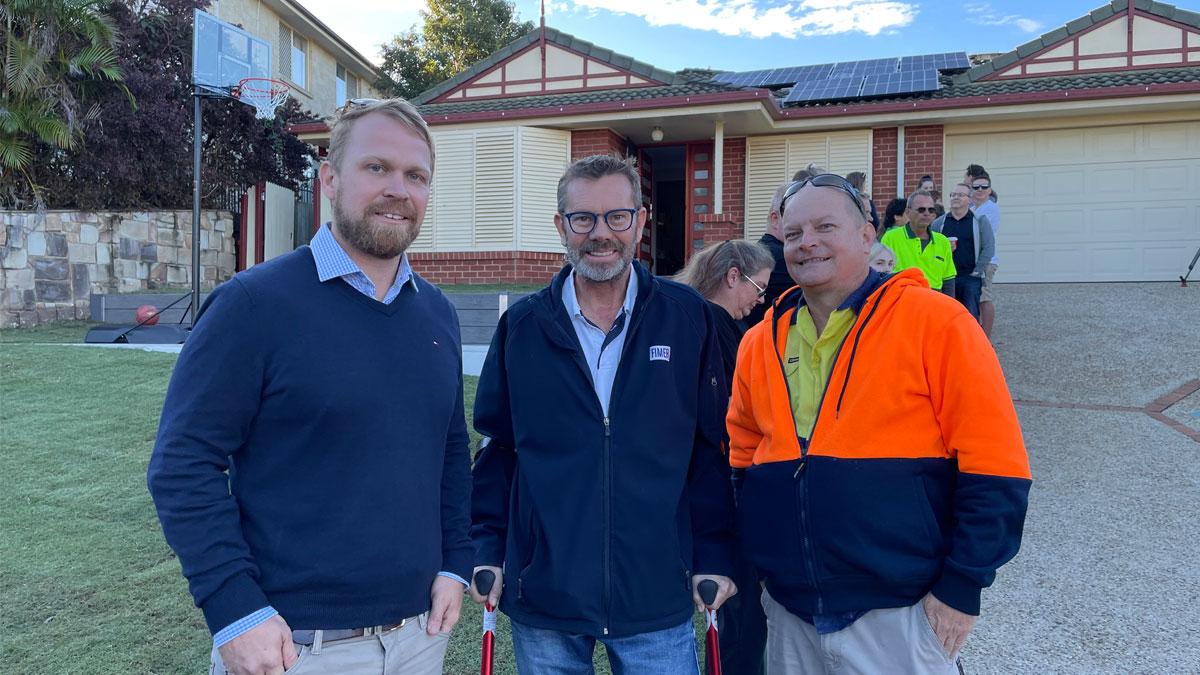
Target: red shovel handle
column 484, row 580
column 712, row 652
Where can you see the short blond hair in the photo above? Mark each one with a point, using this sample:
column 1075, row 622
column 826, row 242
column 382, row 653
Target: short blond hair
column 342, row 123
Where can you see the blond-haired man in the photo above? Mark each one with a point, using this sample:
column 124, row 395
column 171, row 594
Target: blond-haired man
column 311, row 469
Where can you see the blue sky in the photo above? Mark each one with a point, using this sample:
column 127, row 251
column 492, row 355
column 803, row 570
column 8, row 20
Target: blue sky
column 750, row 34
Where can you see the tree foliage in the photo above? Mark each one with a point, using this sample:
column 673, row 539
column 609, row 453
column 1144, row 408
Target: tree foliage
column 455, row 35
column 59, row 57
column 142, row 158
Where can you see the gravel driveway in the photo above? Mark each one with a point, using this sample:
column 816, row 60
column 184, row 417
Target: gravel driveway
column 1107, row 383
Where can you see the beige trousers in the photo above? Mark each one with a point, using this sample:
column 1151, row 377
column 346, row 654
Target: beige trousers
column 408, row 650
column 898, row 640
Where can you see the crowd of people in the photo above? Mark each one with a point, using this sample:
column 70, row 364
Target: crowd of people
column 829, row 442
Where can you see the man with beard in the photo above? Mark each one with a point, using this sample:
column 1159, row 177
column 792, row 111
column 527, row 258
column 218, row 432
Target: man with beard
column 312, row 463
column 601, row 496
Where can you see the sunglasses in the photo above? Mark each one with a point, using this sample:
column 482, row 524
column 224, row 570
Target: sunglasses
column 825, row 180
column 762, row 292
column 356, row 103
column 925, row 209
column 980, row 187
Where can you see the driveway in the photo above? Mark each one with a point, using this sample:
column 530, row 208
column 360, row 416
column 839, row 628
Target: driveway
column 1107, row 383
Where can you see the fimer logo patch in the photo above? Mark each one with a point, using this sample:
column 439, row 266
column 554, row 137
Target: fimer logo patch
column 660, row 353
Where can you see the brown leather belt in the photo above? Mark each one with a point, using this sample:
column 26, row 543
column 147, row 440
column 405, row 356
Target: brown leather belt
column 307, row 637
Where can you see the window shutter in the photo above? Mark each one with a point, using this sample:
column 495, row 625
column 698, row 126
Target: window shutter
column 284, row 51
column 766, row 169
column 542, row 157
column 495, row 188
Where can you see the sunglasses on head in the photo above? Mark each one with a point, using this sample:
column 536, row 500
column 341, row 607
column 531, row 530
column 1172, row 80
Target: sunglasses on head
column 356, row 103
column 825, row 180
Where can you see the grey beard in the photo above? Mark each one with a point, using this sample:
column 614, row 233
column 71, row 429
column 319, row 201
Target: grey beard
column 598, row 273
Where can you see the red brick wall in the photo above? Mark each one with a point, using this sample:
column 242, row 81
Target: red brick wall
column 883, row 166
column 596, row 142
column 708, row 228
column 733, row 177
column 923, row 155
column 487, row 267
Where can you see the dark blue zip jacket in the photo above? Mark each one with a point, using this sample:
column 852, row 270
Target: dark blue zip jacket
column 600, row 523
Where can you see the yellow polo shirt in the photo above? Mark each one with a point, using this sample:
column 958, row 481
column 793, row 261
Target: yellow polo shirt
column 935, row 258
column 809, row 361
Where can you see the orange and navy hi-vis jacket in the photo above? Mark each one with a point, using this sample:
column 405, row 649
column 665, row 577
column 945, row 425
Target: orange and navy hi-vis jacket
column 914, row 478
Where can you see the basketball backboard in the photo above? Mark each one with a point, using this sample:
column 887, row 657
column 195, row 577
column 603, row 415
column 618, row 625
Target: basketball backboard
column 223, row 54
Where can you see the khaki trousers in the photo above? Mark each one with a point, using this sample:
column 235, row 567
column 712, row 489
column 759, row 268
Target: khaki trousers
column 407, row 650
column 898, row 640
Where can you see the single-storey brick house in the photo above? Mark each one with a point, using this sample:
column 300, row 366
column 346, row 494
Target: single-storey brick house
column 1091, row 134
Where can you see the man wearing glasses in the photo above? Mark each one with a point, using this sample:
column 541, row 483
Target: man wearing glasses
column 983, row 203
column 974, row 246
column 601, row 496
column 312, row 468
column 881, row 474
column 916, row 245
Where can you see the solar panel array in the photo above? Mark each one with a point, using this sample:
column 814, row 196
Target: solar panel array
column 899, row 83
column 777, row 77
column 853, row 79
column 946, row 61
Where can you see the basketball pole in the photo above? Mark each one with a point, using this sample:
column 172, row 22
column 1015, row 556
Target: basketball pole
column 197, row 135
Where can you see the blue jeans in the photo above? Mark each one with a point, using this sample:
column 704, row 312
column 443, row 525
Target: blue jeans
column 540, row 651
column 966, row 291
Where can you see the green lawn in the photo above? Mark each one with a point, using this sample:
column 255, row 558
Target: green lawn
column 56, row 331
column 87, row 583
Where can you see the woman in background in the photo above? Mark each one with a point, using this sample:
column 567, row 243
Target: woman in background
column 882, row 259
column 895, row 215
column 733, row 276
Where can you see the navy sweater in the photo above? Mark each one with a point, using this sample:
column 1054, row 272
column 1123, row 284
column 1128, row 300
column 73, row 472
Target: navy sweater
column 600, row 522
column 312, row 453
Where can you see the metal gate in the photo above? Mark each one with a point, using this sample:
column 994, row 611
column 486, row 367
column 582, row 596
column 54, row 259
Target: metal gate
column 303, row 218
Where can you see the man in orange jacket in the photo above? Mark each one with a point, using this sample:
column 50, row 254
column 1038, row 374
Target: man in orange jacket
column 879, row 465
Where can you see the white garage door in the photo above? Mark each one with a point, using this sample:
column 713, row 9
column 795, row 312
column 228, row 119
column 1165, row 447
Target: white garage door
column 1113, row 203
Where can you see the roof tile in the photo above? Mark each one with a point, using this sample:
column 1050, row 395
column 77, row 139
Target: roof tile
column 1079, row 24
column 1030, row 48
column 1055, row 35
column 574, row 98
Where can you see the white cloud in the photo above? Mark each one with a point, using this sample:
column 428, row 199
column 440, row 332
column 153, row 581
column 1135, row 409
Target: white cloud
column 983, row 14
column 751, row 18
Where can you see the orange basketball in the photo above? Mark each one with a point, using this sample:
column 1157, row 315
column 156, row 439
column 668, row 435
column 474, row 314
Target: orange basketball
column 147, row 314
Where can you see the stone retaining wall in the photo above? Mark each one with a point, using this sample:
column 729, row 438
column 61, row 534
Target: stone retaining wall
column 51, row 263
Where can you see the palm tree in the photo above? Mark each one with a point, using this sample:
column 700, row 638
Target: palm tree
column 56, row 52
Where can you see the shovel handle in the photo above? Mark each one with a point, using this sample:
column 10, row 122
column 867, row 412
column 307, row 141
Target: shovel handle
column 484, row 580
column 708, row 591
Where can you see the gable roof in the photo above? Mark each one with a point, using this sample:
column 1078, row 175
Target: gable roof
column 1084, row 23
column 556, row 37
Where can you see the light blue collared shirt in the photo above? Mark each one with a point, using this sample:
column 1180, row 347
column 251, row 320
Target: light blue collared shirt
column 601, row 350
column 333, row 262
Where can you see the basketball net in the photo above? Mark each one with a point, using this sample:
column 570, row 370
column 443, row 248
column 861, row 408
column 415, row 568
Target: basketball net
column 264, row 94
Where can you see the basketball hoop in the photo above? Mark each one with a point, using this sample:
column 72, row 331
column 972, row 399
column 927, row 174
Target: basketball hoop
column 264, row 94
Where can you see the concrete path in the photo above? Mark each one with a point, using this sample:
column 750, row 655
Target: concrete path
column 1108, row 579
